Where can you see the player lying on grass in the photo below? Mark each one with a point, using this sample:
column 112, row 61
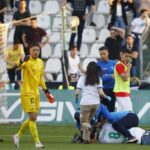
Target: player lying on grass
column 121, row 122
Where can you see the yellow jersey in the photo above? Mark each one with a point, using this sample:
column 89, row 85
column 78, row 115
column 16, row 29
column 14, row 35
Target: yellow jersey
column 32, row 72
column 13, row 56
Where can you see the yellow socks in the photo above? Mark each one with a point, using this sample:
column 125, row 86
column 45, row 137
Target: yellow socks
column 23, row 128
column 33, row 130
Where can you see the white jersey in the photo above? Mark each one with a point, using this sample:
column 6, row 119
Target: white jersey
column 73, row 64
column 139, row 25
column 90, row 94
column 109, row 135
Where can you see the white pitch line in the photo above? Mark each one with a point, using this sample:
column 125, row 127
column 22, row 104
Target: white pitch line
column 50, row 136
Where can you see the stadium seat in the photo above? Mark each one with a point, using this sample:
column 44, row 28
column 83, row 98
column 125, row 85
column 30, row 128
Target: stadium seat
column 53, row 65
column 48, row 31
column 89, row 35
column 46, row 51
column 55, row 37
column 51, row 6
column 35, row 7
column 57, row 23
column 86, row 62
column 103, row 7
column 99, row 19
column 104, row 33
column 84, row 50
column 11, row 36
column 44, row 21
column 48, row 77
column 8, row 19
column 67, row 36
column 2, row 66
column 59, row 77
column 5, row 77
column 94, row 53
column 58, row 51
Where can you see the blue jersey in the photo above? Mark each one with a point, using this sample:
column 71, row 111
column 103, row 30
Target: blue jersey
column 107, row 72
column 110, row 116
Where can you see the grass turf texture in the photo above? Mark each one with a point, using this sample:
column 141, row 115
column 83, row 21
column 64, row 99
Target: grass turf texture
column 56, row 138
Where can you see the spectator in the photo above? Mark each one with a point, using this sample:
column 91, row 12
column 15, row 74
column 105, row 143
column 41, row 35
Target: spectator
column 122, row 82
column 91, row 4
column 131, row 6
column 130, row 45
column 139, row 27
column 3, row 8
column 16, row 3
column 21, row 26
column 12, row 55
column 139, row 30
column 114, row 42
column 91, row 86
column 118, row 14
column 107, row 67
column 34, row 34
column 79, row 8
column 74, row 64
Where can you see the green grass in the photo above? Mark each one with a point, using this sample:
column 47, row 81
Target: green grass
column 56, row 138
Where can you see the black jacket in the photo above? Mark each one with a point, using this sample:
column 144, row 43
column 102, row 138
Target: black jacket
column 114, row 11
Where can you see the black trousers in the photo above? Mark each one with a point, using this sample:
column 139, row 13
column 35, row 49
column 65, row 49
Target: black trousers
column 110, row 105
column 12, row 73
column 122, row 125
column 79, row 32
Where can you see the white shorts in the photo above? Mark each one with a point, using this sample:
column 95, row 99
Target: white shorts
column 123, row 104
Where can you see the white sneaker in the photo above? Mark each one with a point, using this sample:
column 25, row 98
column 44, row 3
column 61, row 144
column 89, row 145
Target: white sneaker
column 16, row 140
column 39, row 145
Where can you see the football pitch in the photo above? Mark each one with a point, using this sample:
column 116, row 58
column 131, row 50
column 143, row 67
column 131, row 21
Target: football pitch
column 56, row 138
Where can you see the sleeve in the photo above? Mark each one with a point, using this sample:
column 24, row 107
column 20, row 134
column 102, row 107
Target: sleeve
column 21, row 49
column 133, row 22
column 106, row 43
column 42, row 82
column 42, row 32
column 100, row 84
column 120, row 69
column 106, row 113
column 80, row 83
column 15, row 16
column 28, row 14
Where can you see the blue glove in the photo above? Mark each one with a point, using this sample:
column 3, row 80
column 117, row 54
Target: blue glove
column 108, row 98
column 77, row 101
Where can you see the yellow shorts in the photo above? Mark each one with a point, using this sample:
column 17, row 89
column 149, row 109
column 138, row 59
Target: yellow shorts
column 30, row 103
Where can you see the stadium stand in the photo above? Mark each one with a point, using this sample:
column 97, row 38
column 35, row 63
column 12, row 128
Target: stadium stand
column 35, row 7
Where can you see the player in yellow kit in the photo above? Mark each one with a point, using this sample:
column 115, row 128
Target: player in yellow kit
column 32, row 71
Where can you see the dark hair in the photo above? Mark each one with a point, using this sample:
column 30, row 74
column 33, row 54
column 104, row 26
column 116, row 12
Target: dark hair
column 129, row 35
column 16, row 42
column 72, row 47
column 143, row 10
column 103, row 48
column 92, row 74
column 34, row 44
column 125, row 51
